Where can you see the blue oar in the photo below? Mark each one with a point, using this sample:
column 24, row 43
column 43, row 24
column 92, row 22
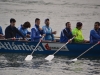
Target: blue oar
column 50, row 57
column 29, row 57
column 84, row 52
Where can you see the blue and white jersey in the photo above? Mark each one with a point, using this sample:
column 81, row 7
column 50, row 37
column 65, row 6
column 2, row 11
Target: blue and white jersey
column 48, row 31
column 36, row 33
column 66, row 34
column 24, row 31
column 94, row 36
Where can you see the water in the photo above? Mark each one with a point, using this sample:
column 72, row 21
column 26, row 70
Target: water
column 59, row 12
column 14, row 64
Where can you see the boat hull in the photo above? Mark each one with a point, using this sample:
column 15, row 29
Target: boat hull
column 7, row 46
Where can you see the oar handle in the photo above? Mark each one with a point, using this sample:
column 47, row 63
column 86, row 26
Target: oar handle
column 37, row 44
column 88, row 49
column 64, row 45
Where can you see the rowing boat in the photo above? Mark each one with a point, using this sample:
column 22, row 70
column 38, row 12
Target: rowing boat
column 11, row 46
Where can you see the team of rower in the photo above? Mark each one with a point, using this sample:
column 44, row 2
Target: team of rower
column 36, row 32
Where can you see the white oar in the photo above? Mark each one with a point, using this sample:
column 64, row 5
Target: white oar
column 84, row 52
column 29, row 57
column 50, row 57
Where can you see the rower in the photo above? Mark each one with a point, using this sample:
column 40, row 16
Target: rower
column 49, row 34
column 1, row 33
column 78, row 34
column 24, row 29
column 66, row 33
column 11, row 31
column 95, row 33
column 36, row 31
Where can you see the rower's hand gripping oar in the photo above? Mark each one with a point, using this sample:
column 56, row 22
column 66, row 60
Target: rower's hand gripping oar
column 84, row 52
column 29, row 57
column 50, row 57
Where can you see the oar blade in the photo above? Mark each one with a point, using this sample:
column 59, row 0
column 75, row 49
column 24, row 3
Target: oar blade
column 29, row 57
column 74, row 60
column 49, row 57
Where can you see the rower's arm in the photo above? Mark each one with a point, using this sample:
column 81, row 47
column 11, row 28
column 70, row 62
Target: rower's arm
column 18, row 32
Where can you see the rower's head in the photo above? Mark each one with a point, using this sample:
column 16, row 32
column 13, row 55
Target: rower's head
column 12, row 22
column 37, row 21
column 79, row 25
column 68, row 25
column 47, row 22
column 26, row 25
column 96, row 25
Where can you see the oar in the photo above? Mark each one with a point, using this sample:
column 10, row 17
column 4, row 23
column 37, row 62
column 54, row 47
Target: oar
column 50, row 57
column 84, row 52
column 29, row 57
